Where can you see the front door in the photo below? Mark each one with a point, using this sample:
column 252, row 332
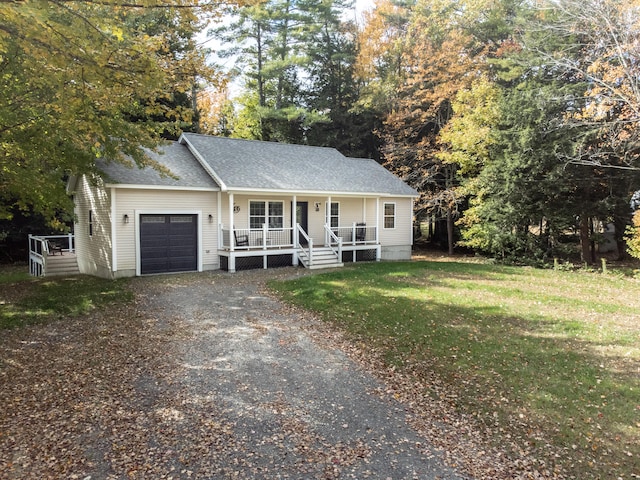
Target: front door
column 302, row 217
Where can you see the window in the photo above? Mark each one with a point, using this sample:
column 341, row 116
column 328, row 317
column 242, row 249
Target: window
column 271, row 213
column 389, row 212
column 90, row 223
column 334, row 215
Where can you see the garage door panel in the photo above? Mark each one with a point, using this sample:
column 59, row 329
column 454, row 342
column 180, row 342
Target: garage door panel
column 168, row 243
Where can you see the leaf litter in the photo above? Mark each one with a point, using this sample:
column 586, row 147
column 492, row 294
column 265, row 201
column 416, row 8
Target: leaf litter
column 134, row 392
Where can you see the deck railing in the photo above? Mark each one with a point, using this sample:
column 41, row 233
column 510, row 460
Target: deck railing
column 41, row 246
column 356, row 234
column 252, row 238
column 335, row 242
column 308, row 248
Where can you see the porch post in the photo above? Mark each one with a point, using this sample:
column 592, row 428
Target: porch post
column 294, row 219
column 294, row 230
column 219, row 219
column 327, row 220
column 232, row 237
column 378, row 248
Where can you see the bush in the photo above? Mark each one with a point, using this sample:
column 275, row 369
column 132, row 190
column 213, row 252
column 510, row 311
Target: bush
column 632, row 236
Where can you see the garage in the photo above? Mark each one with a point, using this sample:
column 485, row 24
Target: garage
column 168, row 243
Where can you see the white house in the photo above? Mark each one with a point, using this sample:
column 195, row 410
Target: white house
column 235, row 204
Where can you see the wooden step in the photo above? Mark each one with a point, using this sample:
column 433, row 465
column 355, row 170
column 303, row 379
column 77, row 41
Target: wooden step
column 323, row 257
column 65, row 264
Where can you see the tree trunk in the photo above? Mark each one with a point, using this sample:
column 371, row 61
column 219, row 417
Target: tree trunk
column 450, row 230
column 585, row 245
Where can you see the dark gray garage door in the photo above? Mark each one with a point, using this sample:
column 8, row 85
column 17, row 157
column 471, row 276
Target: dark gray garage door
column 168, row 243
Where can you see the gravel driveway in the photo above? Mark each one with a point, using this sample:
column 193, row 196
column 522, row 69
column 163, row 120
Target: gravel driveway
column 205, row 377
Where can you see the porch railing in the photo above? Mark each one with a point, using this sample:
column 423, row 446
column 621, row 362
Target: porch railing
column 40, row 246
column 308, row 248
column 335, row 242
column 356, row 234
column 252, row 238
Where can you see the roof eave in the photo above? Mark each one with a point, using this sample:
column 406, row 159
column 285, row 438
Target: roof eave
column 161, row 187
column 323, row 193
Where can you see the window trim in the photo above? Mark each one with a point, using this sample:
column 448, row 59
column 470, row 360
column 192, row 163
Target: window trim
column 267, row 215
column 385, row 216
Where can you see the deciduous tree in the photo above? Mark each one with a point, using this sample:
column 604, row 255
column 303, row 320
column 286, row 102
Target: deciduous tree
column 82, row 80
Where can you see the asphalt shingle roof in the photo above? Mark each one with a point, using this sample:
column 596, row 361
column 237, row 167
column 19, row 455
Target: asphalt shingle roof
column 176, row 157
column 250, row 164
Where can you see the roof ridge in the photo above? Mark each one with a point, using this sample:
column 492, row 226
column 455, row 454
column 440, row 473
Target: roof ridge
column 267, row 142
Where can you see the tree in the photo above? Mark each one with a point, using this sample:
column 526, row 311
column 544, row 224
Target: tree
column 82, row 80
column 599, row 41
column 511, row 138
column 444, row 50
column 297, row 59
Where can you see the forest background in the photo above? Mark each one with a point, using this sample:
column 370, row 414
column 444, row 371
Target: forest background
column 516, row 120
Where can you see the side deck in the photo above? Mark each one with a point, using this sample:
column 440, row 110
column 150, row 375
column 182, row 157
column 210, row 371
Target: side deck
column 51, row 255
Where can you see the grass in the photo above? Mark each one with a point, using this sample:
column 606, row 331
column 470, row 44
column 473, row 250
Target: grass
column 537, row 356
column 26, row 300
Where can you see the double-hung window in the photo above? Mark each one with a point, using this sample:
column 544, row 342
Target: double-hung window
column 271, row 213
column 334, row 215
column 389, row 212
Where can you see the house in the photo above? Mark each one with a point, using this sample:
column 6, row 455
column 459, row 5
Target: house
column 236, row 204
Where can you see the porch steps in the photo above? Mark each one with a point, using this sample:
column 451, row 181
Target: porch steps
column 323, row 257
column 65, row 264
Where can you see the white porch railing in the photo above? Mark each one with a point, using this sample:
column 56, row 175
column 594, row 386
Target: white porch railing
column 356, row 234
column 256, row 238
column 334, row 240
column 308, row 249
column 41, row 246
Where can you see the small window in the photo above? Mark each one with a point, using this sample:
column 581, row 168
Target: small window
column 334, row 215
column 90, row 223
column 153, row 219
column 182, row 219
column 389, row 215
column 271, row 213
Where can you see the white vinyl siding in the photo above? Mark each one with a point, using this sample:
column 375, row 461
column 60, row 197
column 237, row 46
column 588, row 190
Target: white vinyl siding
column 93, row 228
column 402, row 233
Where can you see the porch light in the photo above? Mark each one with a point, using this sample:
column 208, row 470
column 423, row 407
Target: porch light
column 317, row 206
column 210, row 218
column 125, row 218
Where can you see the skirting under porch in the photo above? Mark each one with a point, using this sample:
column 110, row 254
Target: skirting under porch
column 321, row 257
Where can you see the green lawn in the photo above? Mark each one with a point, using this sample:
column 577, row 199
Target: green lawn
column 26, row 300
column 535, row 356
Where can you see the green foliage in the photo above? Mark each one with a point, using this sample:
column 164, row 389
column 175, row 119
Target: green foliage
column 633, row 236
column 82, row 80
column 296, row 58
column 543, row 361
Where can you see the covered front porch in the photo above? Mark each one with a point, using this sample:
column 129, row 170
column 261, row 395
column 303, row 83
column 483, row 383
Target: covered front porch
column 267, row 229
column 245, row 248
